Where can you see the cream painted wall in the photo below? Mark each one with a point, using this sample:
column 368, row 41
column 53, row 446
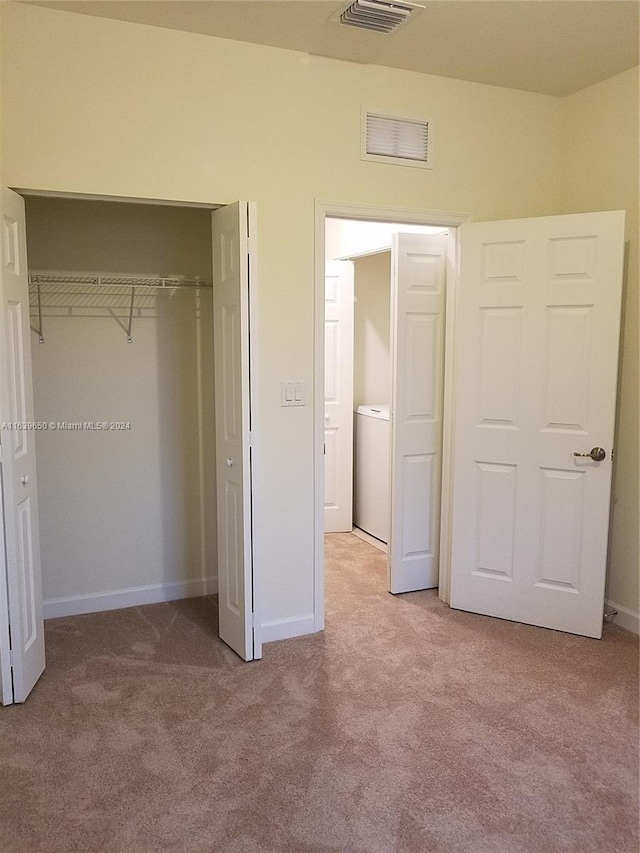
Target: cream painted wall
column 372, row 330
column 122, row 510
column 97, row 106
column 2, row 181
column 601, row 153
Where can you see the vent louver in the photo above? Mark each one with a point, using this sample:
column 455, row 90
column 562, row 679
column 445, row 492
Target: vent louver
column 377, row 15
column 396, row 140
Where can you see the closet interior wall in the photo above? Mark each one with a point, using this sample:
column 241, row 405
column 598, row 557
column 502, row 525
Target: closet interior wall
column 128, row 514
column 372, row 330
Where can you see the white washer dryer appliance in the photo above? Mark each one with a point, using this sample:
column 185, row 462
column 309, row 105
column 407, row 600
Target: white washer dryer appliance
column 371, row 470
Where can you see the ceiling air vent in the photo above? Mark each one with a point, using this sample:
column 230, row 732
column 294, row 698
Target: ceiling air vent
column 391, row 139
column 378, row 15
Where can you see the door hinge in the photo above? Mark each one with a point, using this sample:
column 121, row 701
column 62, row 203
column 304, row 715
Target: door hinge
column 254, row 620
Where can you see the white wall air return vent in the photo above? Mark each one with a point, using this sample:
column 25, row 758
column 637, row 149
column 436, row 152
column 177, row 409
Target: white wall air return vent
column 391, row 139
column 379, row 16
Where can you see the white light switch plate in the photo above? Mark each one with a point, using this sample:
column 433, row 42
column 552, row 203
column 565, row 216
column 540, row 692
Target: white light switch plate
column 292, row 393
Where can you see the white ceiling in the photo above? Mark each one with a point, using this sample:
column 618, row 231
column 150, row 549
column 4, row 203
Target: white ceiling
column 555, row 47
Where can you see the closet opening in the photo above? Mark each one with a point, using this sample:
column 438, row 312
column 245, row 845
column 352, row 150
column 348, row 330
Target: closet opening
column 141, row 316
column 123, row 377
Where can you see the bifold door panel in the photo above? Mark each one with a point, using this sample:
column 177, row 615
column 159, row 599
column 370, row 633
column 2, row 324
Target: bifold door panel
column 419, row 267
column 338, row 397
column 21, row 597
column 232, row 268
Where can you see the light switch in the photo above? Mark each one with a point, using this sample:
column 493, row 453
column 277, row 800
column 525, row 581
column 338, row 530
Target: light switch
column 292, row 392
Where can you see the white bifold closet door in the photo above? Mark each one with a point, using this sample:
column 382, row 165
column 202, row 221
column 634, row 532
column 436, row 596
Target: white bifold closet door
column 419, row 267
column 536, row 354
column 338, row 397
column 233, row 294
column 22, row 658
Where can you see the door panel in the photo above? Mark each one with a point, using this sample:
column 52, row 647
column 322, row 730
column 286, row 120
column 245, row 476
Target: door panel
column 232, row 265
column 536, row 351
column 338, row 397
column 19, row 483
column 417, row 306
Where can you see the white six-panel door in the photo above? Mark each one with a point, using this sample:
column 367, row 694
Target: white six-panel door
column 338, row 397
column 232, row 283
column 419, row 265
column 21, row 597
column 536, row 355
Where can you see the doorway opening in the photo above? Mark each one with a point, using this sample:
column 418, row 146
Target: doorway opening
column 359, row 364
column 516, row 525
column 377, row 261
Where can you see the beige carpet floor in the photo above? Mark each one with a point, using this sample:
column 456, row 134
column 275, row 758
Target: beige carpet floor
column 406, row 726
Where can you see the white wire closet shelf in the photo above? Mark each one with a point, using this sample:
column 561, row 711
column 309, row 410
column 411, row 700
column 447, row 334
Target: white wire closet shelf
column 67, row 290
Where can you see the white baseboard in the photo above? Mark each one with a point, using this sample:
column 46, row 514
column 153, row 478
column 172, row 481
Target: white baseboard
column 135, row 596
column 367, row 537
column 626, row 618
column 285, row 629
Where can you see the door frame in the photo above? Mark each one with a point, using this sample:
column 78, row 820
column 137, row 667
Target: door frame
column 253, row 391
column 324, row 209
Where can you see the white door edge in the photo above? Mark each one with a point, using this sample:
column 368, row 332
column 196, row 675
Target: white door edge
column 448, row 418
column 371, row 213
column 6, row 675
column 252, row 216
